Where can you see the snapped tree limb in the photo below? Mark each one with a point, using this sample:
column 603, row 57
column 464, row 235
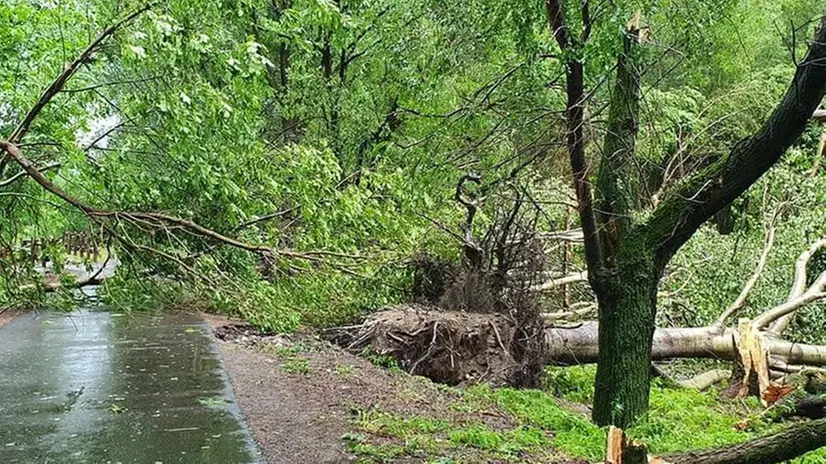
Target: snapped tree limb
column 782, row 446
column 13, row 152
column 798, row 285
column 740, row 302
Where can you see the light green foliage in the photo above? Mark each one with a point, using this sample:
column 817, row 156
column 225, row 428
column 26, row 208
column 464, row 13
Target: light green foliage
column 200, row 95
column 296, row 365
column 353, row 120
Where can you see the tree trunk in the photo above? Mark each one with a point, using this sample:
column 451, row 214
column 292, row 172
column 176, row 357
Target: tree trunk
column 627, row 303
column 790, row 443
column 579, row 345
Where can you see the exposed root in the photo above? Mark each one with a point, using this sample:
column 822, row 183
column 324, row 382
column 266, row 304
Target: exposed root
column 450, row 347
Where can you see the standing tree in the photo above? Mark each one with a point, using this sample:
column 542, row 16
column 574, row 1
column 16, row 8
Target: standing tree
column 626, row 250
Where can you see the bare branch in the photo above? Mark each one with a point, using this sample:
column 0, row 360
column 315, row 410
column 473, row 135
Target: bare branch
column 740, row 302
column 816, row 292
column 798, row 285
column 558, row 282
column 705, row 380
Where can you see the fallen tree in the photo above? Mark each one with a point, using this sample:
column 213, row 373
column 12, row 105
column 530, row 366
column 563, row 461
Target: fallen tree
column 113, row 222
column 458, row 346
column 790, row 443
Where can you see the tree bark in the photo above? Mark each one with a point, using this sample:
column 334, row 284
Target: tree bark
column 627, row 307
column 625, row 280
column 579, row 345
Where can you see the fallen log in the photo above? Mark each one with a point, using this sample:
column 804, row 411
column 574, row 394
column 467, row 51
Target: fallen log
column 792, row 442
column 579, row 345
column 798, row 405
column 705, row 380
column 456, row 347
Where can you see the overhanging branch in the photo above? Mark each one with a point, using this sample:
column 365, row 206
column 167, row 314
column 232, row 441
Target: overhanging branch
column 690, row 203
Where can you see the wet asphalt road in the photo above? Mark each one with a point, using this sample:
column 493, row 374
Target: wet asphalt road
column 100, row 387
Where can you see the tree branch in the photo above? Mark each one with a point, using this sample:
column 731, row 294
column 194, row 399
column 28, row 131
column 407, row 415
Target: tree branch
column 57, row 85
column 158, row 219
column 689, row 204
column 816, row 292
column 575, row 137
column 740, row 302
column 613, row 189
column 564, row 280
column 798, row 285
column 20, row 174
column 782, row 446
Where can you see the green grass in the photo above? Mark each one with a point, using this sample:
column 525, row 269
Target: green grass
column 293, row 358
column 679, row 420
column 438, row 439
column 572, row 433
column 345, row 370
column 297, row 365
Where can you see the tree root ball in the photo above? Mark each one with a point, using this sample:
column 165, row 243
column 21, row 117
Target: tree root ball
column 450, row 347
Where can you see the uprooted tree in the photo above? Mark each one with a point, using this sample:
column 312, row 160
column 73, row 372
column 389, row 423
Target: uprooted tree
column 627, row 250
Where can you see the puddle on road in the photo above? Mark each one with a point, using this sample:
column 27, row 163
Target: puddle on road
column 98, row 387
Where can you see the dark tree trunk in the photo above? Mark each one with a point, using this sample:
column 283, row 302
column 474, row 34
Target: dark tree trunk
column 625, row 280
column 790, row 443
column 289, row 126
column 724, row 220
column 327, row 59
column 627, row 307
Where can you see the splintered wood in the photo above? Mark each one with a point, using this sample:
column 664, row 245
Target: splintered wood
column 621, row 450
column 754, row 358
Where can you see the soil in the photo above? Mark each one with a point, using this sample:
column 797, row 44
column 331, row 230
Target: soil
column 7, row 315
column 300, row 417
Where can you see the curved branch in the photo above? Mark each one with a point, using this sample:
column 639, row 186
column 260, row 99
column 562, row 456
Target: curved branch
column 158, row 219
column 816, row 292
column 798, row 284
column 57, row 85
column 740, row 302
column 20, row 174
column 688, row 205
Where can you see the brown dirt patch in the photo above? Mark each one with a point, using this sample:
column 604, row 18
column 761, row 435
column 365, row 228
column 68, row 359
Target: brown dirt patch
column 300, row 394
column 7, row 315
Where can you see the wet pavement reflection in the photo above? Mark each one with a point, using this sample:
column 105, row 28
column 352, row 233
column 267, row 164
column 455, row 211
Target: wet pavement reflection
column 100, row 387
